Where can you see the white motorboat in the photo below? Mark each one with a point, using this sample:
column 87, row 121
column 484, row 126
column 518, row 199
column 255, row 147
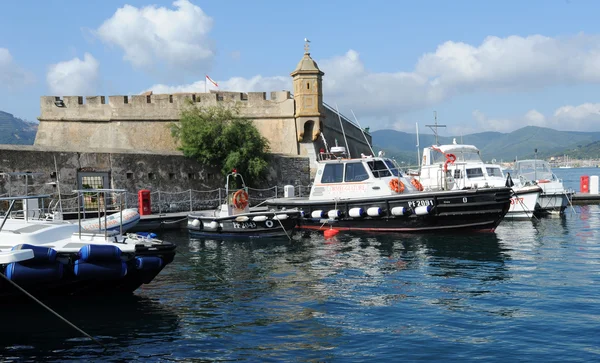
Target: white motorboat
column 67, row 260
column 370, row 194
column 459, row 166
column 554, row 198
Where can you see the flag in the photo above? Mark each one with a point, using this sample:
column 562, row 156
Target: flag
column 211, row 81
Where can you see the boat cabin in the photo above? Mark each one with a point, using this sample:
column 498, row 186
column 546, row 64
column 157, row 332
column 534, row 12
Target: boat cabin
column 368, row 176
column 457, row 166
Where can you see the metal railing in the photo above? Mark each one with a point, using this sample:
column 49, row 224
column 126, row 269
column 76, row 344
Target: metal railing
column 168, row 202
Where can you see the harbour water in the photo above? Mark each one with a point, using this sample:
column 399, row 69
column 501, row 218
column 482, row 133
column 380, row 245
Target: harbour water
column 528, row 292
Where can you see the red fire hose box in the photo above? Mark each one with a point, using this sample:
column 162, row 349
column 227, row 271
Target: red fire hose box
column 144, row 202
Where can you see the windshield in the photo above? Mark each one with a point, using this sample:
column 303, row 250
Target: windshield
column 461, row 156
column 393, row 167
column 494, row 172
column 534, row 170
column 379, row 168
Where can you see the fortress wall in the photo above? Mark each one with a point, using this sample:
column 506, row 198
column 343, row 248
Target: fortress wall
column 128, row 170
column 141, row 122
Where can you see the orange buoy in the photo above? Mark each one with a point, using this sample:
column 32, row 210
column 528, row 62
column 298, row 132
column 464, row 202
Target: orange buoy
column 330, row 232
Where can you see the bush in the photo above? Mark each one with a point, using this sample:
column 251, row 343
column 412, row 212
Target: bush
column 218, row 136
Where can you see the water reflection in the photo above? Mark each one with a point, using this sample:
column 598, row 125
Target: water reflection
column 122, row 325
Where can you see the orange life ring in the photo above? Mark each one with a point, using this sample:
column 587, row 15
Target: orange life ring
column 240, row 199
column 543, row 181
column 417, row 184
column 396, row 185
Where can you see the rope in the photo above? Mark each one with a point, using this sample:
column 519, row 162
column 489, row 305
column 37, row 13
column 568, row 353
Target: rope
column 52, row 311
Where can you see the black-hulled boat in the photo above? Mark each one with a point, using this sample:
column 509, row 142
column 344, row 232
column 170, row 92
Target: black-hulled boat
column 371, row 194
column 235, row 219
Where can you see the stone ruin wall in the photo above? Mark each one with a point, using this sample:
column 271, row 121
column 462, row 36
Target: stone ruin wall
column 129, row 170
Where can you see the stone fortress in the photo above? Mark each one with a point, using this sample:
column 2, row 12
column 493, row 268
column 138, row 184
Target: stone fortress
column 126, row 143
column 292, row 123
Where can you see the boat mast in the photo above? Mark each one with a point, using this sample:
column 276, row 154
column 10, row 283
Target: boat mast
column 434, row 127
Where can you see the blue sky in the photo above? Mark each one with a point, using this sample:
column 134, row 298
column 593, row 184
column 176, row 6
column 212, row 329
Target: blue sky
column 482, row 65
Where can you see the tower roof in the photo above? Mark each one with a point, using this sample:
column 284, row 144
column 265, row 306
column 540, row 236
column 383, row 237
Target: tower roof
column 307, row 65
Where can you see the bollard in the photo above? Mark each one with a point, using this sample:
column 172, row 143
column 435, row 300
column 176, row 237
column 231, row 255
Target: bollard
column 594, row 184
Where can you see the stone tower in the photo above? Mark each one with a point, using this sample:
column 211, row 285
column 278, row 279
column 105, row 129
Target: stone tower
column 308, row 96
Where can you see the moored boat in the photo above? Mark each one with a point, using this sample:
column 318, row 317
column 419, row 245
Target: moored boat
column 65, row 260
column 459, row 166
column 371, row 194
column 235, row 218
column 554, row 197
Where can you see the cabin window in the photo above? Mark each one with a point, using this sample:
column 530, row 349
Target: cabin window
column 475, row 173
column 457, row 174
column 355, row 172
column 494, row 172
column 333, row 173
column 393, row 167
column 379, row 169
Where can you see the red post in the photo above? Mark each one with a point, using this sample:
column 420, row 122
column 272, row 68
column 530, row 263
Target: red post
column 584, row 184
column 144, row 202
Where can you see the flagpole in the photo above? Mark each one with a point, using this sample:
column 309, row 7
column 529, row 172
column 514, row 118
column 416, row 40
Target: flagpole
column 204, row 83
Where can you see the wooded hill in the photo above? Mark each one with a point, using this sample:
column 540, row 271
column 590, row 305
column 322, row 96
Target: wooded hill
column 16, row 131
column 519, row 144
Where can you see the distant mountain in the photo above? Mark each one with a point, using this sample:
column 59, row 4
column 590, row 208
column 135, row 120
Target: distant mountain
column 519, row 144
column 16, row 131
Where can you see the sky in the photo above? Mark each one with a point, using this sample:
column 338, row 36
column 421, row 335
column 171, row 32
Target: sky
column 479, row 65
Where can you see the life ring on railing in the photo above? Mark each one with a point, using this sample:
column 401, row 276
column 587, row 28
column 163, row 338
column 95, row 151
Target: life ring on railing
column 396, row 185
column 417, row 184
column 541, row 181
column 240, row 199
column 450, row 158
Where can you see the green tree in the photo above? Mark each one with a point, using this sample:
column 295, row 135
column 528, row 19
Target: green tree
column 218, row 136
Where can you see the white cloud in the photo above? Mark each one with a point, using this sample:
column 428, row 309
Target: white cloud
column 508, row 64
column 74, row 77
column 154, row 34
column 584, row 117
column 11, row 75
column 237, row 84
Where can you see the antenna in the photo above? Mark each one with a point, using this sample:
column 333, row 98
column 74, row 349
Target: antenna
column 418, row 151
column 434, row 127
column 363, row 132
column 344, row 133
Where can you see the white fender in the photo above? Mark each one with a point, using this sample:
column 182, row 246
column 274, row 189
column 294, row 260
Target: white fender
column 242, row 219
column 398, row 211
column 422, row 210
column 333, row 214
column 259, row 218
column 281, row 217
column 194, row 223
column 212, row 225
column 355, row 212
column 317, row 214
column 374, row 211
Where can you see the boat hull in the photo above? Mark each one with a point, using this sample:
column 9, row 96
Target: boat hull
column 524, row 202
column 70, row 284
column 245, row 225
column 471, row 209
column 552, row 203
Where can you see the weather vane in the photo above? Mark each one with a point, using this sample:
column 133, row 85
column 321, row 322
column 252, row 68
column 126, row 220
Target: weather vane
column 306, row 45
